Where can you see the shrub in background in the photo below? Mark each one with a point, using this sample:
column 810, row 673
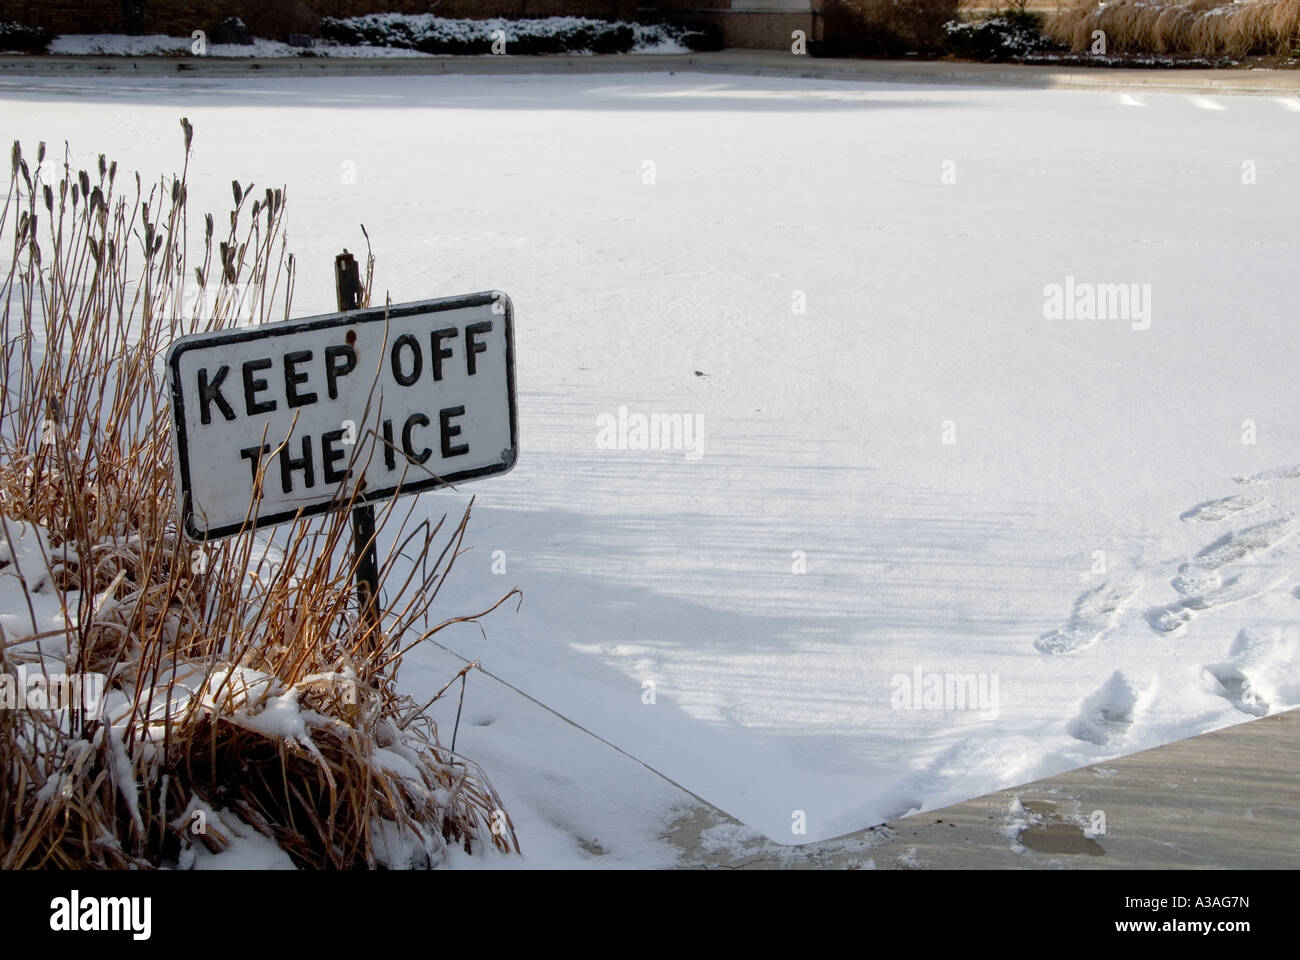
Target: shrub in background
column 702, row 36
column 547, row 35
column 15, row 36
column 1011, row 35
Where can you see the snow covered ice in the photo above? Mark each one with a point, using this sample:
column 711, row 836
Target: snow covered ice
column 909, row 467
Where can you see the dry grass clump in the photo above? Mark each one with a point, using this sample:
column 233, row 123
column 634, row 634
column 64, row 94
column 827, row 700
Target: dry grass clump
column 1208, row 28
column 245, row 690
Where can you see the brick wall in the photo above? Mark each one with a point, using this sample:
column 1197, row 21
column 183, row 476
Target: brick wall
column 66, row 16
column 754, row 30
column 764, row 31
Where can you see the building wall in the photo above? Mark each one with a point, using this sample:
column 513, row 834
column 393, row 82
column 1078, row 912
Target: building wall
column 753, row 24
column 65, row 16
column 757, row 30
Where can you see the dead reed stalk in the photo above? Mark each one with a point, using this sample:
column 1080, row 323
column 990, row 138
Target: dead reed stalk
column 242, row 689
column 1207, row 28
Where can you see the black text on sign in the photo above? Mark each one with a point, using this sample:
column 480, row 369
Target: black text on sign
column 384, row 402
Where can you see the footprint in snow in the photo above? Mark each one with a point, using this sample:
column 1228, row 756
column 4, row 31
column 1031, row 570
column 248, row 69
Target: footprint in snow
column 1106, row 715
column 1265, row 476
column 1230, row 684
column 1201, row 573
column 1171, row 617
column 1205, row 581
column 1242, row 544
column 1256, row 660
column 1094, row 613
column 1215, row 511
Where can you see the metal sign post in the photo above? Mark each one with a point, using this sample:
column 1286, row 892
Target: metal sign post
column 347, row 282
column 278, row 421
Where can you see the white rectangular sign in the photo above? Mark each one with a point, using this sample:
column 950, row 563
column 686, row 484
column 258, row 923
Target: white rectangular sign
column 384, row 402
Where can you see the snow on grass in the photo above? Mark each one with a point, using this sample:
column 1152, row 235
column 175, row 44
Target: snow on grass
column 380, row 36
column 160, row 45
column 500, row 35
column 24, row 553
column 247, row 849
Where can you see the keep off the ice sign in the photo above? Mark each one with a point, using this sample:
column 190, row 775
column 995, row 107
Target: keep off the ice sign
column 385, row 402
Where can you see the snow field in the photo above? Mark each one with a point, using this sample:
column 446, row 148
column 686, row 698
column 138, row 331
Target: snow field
column 907, row 466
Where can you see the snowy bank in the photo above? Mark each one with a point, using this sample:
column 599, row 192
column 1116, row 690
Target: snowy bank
column 392, row 35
